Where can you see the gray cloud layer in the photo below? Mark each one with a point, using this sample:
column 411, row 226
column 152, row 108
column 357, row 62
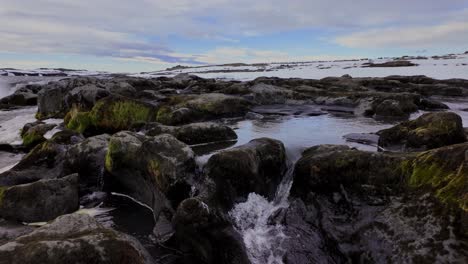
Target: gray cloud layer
column 138, row 28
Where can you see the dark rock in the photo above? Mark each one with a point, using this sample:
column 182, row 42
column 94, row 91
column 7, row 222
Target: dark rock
column 429, row 131
column 74, row 238
column 120, row 88
column 269, row 94
column 154, row 170
column 306, row 243
column 33, row 133
column 367, row 206
column 363, row 138
column 20, row 99
column 430, row 104
column 325, row 168
column 201, row 107
column 397, row 63
column 390, row 108
column 87, row 158
column 195, row 133
column 202, row 232
column 40, row 201
column 281, row 109
column 254, row 167
column 85, row 97
column 110, row 115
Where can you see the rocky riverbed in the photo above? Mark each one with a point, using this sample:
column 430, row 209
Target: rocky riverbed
column 119, row 169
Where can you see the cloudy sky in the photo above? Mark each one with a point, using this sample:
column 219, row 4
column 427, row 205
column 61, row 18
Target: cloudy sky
column 144, row 35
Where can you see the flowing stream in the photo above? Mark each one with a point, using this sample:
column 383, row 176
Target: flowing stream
column 262, row 235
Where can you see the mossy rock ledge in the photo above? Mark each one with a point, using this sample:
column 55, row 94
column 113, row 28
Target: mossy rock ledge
column 111, row 114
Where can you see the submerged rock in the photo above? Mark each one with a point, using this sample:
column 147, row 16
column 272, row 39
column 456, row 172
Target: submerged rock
column 254, row 167
column 74, row 238
column 429, row 131
column 42, row 200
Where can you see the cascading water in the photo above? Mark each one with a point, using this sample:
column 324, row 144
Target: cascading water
column 263, row 237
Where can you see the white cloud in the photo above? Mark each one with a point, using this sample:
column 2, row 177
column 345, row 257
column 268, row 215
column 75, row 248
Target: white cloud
column 140, row 29
column 450, row 34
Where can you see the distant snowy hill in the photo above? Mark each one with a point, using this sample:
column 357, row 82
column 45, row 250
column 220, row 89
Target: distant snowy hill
column 439, row 67
column 46, row 72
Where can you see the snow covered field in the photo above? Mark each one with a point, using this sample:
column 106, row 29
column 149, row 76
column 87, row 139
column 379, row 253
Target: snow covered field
column 454, row 66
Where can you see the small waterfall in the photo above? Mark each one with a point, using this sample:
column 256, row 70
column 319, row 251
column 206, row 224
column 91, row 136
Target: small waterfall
column 253, row 219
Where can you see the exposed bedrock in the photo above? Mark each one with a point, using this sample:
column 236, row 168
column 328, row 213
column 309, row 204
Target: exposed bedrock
column 382, row 207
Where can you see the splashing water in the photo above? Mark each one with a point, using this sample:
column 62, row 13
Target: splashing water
column 263, row 237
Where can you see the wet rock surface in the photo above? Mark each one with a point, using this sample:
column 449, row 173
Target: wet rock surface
column 74, row 238
column 140, row 139
column 426, row 132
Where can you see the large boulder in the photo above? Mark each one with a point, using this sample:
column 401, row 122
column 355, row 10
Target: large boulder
column 269, row 94
column 429, row 131
column 257, row 166
column 111, row 114
column 19, row 99
column 74, row 238
column 194, row 133
column 327, row 168
column 371, row 206
column 51, row 98
column 154, row 170
column 40, row 201
column 87, row 158
column 45, row 161
column 187, row 109
column 85, row 97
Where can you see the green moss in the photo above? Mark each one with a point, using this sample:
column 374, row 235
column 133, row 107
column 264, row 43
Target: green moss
column 2, row 193
column 78, row 121
column 113, row 147
column 154, row 170
column 110, row 115
column 449, row 185
column 32, row 138
column 164, row 115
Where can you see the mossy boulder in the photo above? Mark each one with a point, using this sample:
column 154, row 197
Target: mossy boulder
column 184, row 109
column 74, row 238
column 33, row 133
column 44, row 161
column 444, row 172
column 111, row 114
column 40, row 201
column 325, row 168
column 429, row 131
column 257, row 166
column 194, row 133
column 157, row 171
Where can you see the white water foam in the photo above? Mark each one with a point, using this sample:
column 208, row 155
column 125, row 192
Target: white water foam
column 11, row 123
column 263, row 237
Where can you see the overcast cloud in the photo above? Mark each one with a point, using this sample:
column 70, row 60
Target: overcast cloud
column 144, row 30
